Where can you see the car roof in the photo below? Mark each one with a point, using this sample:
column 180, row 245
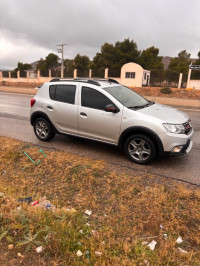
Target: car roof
column 98, row 82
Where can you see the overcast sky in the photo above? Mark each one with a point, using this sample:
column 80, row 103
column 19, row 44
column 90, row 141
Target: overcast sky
column 30, row 30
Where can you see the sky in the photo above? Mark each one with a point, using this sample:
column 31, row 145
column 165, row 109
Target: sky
column 30, row 30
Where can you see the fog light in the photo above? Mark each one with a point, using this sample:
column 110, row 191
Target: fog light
column 176, row 149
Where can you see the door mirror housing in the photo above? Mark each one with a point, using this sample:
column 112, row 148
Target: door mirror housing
column 111, row 108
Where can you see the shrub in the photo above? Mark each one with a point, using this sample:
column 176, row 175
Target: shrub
column 166, row 90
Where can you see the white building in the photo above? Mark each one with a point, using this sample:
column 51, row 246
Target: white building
column 133, row 75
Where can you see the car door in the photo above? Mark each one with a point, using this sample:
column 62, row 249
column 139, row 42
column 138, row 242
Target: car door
column 93, row 121
column 62, row 108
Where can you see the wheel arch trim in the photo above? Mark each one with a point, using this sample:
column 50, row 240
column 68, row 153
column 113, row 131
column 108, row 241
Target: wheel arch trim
column 141, row 130
column 39, row 114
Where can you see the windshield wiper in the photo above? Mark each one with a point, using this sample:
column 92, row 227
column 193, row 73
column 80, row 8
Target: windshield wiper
column 151, row 103
column 137, row 106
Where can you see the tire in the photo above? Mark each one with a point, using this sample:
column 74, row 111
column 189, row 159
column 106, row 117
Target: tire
column 140, row 149
column 43, row 129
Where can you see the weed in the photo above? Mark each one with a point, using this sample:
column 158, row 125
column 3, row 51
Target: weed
column 166, row 90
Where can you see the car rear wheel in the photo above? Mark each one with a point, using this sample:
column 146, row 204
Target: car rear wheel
column 43, row 130
column 140, row 149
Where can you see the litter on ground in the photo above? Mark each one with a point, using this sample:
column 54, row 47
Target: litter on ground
column 179, row 240
column 182, row 250
column 98, row 253
column 39, row 249
column 152, row 245
column 26, row 200
column 88, row 212
column 79, row 253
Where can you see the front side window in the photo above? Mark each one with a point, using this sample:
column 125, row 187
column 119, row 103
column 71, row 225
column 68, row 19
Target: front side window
column 126, row 96
column 63, row 93
column 94, row 99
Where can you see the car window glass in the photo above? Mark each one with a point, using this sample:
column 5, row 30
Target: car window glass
column 52, row 92
column 94, row 99
column 126, row 96
column 63, row 93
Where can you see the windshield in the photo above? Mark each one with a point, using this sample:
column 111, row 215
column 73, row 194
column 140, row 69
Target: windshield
column 127, row 97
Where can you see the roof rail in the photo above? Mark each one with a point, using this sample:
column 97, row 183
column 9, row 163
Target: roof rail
column 113, row 81
column 91, row 81
column 94, row 82
column 54, row 80
column 86, row 80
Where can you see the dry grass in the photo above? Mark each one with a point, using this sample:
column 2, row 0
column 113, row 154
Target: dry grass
column 125, row 212
column 176, row 93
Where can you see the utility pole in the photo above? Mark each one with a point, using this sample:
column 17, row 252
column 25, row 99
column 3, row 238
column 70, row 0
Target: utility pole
column 61, row 50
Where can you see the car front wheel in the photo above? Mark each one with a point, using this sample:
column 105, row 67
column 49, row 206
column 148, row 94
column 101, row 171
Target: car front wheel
column 140, row 149
column 43, row 130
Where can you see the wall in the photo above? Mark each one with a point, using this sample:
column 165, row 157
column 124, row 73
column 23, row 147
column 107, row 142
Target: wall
column 195, row 84
column 26, row 80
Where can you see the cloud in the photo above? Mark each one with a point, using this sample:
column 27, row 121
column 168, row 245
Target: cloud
column 32, row 29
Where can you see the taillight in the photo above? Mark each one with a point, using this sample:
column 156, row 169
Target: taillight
column 32, row 102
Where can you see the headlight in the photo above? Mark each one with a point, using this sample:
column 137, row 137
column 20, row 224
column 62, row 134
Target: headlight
column 178, row 129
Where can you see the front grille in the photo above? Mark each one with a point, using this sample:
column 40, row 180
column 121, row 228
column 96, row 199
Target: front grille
column 188, row 127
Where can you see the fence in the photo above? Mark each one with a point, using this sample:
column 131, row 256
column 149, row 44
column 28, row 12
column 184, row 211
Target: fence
column 114, row 72
column 82, row 73
column 98, row 72
column 157, row 79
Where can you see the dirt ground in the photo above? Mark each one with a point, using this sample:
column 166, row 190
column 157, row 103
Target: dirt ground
column 29, row 88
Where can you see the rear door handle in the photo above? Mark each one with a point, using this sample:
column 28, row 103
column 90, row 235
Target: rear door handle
column 49, row 107
column 83, row 114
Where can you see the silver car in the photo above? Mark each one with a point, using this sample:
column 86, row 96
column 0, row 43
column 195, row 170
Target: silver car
column 107, row 111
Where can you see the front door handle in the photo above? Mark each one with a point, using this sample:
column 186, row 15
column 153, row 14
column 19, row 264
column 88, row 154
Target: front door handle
column 49, row 107
column 83, row 114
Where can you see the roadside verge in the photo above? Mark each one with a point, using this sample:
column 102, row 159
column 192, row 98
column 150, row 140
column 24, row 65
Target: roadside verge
column 96, row 215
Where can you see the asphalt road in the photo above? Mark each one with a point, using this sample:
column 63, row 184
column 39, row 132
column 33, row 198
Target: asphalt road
column 14, row 122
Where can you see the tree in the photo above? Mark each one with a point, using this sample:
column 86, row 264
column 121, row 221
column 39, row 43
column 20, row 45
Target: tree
column 81, row 62
column 41, row 65
column 150, row 60
column 22, row 68
column 50, row 62
column 179, row 64
column 115, row 56
column 68, row 67
column 128, row 51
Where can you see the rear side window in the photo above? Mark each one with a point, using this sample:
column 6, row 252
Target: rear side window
column 63, row 93
column 94, row 99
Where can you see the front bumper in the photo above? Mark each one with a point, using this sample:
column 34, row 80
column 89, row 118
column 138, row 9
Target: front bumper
column 187, row 147
column 184, row 150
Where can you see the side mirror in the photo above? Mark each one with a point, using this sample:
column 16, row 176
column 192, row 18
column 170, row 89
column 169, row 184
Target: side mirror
column 111, row 108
